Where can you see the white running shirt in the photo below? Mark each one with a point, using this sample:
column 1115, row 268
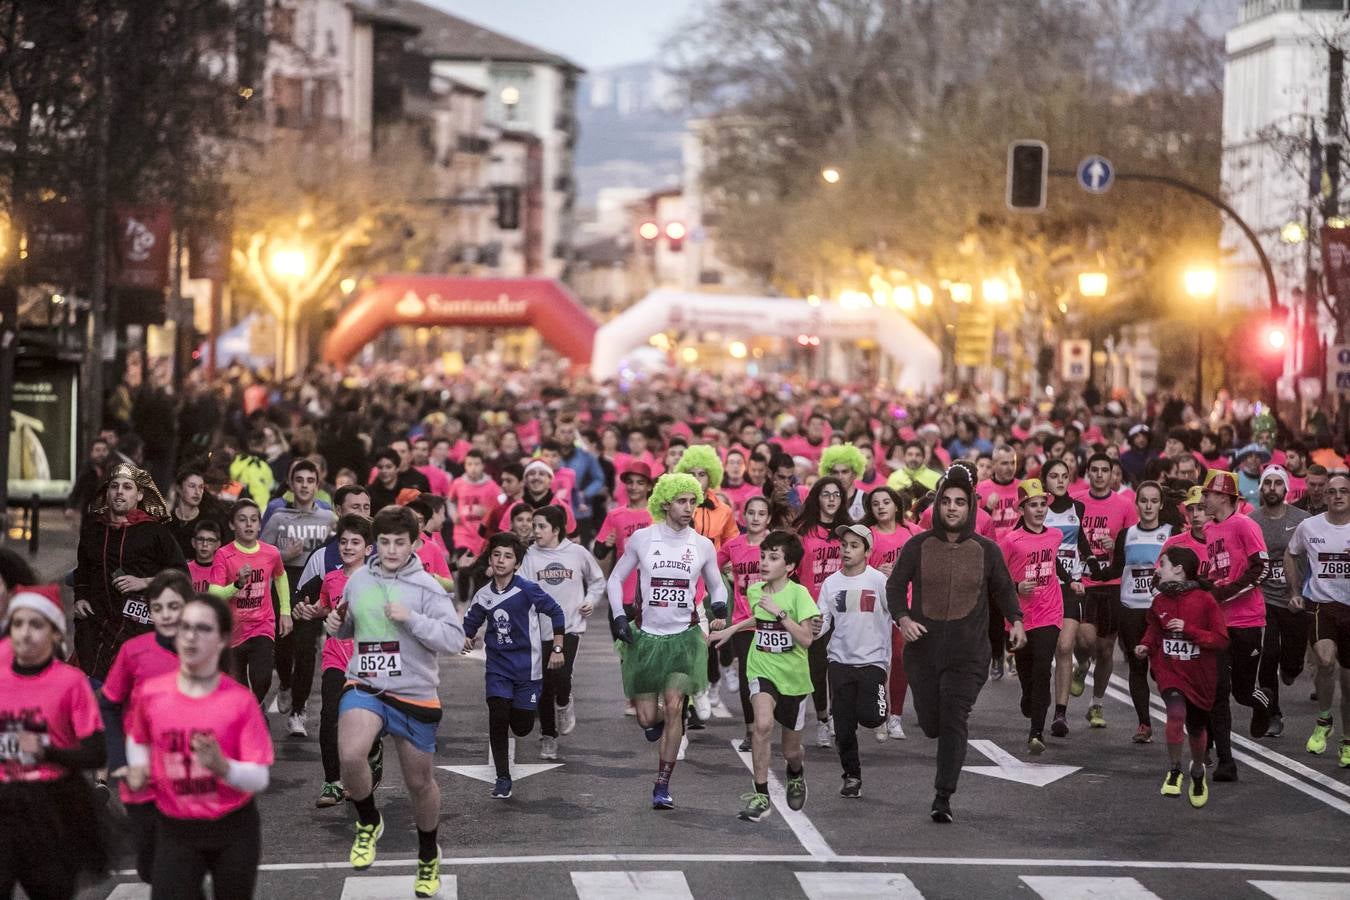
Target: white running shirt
column 669, row 564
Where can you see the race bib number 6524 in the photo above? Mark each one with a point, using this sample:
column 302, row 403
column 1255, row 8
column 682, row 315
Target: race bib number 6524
column 378, row 658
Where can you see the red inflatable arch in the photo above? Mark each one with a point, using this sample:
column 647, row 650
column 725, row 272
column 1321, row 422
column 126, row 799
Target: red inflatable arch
column 429, row 300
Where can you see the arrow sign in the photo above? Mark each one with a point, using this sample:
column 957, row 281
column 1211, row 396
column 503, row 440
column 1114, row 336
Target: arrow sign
column 1010, row 768
column 488, row 773
column 1096, row 174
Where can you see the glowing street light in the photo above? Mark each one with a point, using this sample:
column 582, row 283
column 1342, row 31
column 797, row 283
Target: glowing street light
column 830, row 175
column 347, row 285
column 289, row 262
column 994, row 291
column 961, row 291
column 1293, row 233
column 925, row 295
column 1093, row 284
column 737, row 349
column 904, row 297
column 649, row 231
column 1201, row 282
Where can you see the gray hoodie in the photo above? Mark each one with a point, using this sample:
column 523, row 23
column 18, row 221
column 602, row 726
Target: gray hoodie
column 570, row 575
column 311, row 529
column 403, row 652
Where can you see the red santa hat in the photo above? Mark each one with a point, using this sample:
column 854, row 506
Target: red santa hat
column 43, row 599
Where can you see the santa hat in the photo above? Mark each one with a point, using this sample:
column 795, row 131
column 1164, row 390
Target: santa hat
column 43, row 599
column 538, row 464
column 1279, row 472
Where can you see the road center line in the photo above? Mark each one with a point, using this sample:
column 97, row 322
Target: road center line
column 812, row 841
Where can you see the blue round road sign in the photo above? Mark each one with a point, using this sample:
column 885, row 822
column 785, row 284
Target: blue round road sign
column 1096, row 174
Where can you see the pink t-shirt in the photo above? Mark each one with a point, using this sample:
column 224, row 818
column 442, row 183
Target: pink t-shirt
column 1032, row 556
column 1103, row 519
column 165, row 720
column 1230, row 544
column 56, row 702
column 504, row 524
column 621, row 523
column 474, row 505
column 564, row 483
column 336, row 651
column 252, row 605
column 1297, row 488
column 437, row 478
column 433, row 558
column 820, row 560
column 886, row 547
column 205, row 576
column 739, row 495
column 1079, row 489
column 139, row 660
column 743, row 557
column 1000, row 501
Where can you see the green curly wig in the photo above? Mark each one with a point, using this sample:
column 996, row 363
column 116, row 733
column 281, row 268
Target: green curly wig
column 668, row 487
column 847, row 454
column 701, row 456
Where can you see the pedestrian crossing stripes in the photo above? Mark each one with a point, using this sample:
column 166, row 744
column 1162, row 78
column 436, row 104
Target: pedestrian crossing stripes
column 649, row 884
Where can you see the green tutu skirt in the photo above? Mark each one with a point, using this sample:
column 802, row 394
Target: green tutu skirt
column 656, row 663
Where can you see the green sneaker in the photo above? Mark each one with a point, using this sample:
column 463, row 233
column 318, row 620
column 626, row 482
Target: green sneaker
column 375, row 759
column 796, row 791
column 1345, row 755
column 1317, row 744
column 332, row 794
column 428, row 881
column 757, row 807
column 1079, row 680
column 1171, row 786
column 363, row 848
column 1096, row 718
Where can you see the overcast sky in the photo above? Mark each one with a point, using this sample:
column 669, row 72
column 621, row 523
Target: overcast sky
column 592, row 33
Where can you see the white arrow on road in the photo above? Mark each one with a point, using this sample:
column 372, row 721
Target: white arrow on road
column 488, row 773
column 1010, row 768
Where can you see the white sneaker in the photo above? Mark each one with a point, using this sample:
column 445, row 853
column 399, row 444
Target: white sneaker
column 295, row 725
column 881, row 734
column 702, row 705
column 567, row 719
column 830, row 722
column 823, row 735
column 273, row 708
column 548, row 748
column 718, row 708
column 629, row 709
column 731, row 677
column 894, row 731
column 684, row 745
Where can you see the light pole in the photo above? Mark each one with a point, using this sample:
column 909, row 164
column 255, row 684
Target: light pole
column 289, row 265
column 1201, row 283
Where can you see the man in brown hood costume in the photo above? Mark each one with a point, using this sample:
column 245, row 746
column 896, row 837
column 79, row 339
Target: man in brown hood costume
column 124, row 543
column 939, row 594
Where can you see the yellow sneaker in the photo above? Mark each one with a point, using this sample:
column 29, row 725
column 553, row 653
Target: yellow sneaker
column 1199, row 792
column 1317, row 744
column 1095, row 716
column 363, row 848
column 428, row 883
column 1172, row 784
column 1345, row 754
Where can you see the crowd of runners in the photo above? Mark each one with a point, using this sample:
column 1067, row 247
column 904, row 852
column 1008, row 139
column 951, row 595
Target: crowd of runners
column 816, row 554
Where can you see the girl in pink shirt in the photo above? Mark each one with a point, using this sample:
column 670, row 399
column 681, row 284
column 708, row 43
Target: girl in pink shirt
column 822, row 512
column 889, row 534
column 200, row 741
column 739, row 560
column 254, row 568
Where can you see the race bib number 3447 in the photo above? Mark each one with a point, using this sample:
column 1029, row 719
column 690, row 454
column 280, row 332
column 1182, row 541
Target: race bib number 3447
column 1180, row 648
column 378, row 658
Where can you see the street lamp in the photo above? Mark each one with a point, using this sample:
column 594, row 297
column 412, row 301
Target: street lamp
column 830, row 174
column 289, row 262
column 994, row 291
column 961, row 291
column 1093, row 284
column 1293, row 233
column 1201, row 283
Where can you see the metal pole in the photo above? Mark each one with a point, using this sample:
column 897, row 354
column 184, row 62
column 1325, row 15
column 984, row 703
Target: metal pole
column 98, row 236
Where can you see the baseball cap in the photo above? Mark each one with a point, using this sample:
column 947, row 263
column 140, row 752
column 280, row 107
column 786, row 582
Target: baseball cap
column 861, row 531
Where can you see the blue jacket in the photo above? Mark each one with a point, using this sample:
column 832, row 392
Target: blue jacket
column 590, row 479
column 513, row 638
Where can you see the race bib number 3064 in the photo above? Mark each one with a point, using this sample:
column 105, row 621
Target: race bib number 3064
column 378, row 658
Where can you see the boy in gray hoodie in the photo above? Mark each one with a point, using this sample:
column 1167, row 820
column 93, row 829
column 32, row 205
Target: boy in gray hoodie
column 399, row 618
column 570, row 575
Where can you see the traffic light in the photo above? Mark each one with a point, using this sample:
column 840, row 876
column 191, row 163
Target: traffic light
column 1028, row 170
column 1275, row 338
column 675, row 234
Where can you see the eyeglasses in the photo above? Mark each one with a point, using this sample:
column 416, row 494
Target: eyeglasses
column 831, row 495
column 203, row 539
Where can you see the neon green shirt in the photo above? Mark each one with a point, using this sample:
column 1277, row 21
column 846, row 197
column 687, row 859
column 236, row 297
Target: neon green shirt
column 775, row 654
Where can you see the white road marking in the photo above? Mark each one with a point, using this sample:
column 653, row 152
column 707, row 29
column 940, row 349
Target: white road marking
column 1010, row 768
column 1285, row 778
column 142, row 891
column 488, row 773
column 1303, row 890
column 812, row 841
column 1247, row 743
column 1072, row 887
column 965, row 862
column 857, row 886
column 390, row 887
column 623, row 885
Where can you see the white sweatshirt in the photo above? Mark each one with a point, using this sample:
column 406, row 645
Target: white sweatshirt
column 569, row 574
column 856, row 607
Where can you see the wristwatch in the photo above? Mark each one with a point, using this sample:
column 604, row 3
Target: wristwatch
column 557, row 648
column 782, row 614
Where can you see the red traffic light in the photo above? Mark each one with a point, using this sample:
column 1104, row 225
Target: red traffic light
column 1275, row 338
column 649, row 231
column 676, row 231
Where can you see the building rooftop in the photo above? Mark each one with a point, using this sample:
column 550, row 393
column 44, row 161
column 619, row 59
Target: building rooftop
column 448, row 37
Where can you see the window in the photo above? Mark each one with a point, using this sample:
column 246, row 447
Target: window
column 283, row 24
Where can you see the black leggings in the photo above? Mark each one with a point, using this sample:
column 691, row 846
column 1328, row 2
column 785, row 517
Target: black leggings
column 187, row 849
column 502, row 716
column 1034, row 664
column 740, row 644
column 1132, row 625
column 859, row 695
column 330, row 695
column 1238, row 665
column 296, row 655
column 557, row 687
column 1283, row 650
column 251, row 664
column 142, row 822
column 818, row 656
column 998, row 635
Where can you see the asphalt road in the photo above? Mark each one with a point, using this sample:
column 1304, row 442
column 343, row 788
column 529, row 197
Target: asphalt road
column 585, row 829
